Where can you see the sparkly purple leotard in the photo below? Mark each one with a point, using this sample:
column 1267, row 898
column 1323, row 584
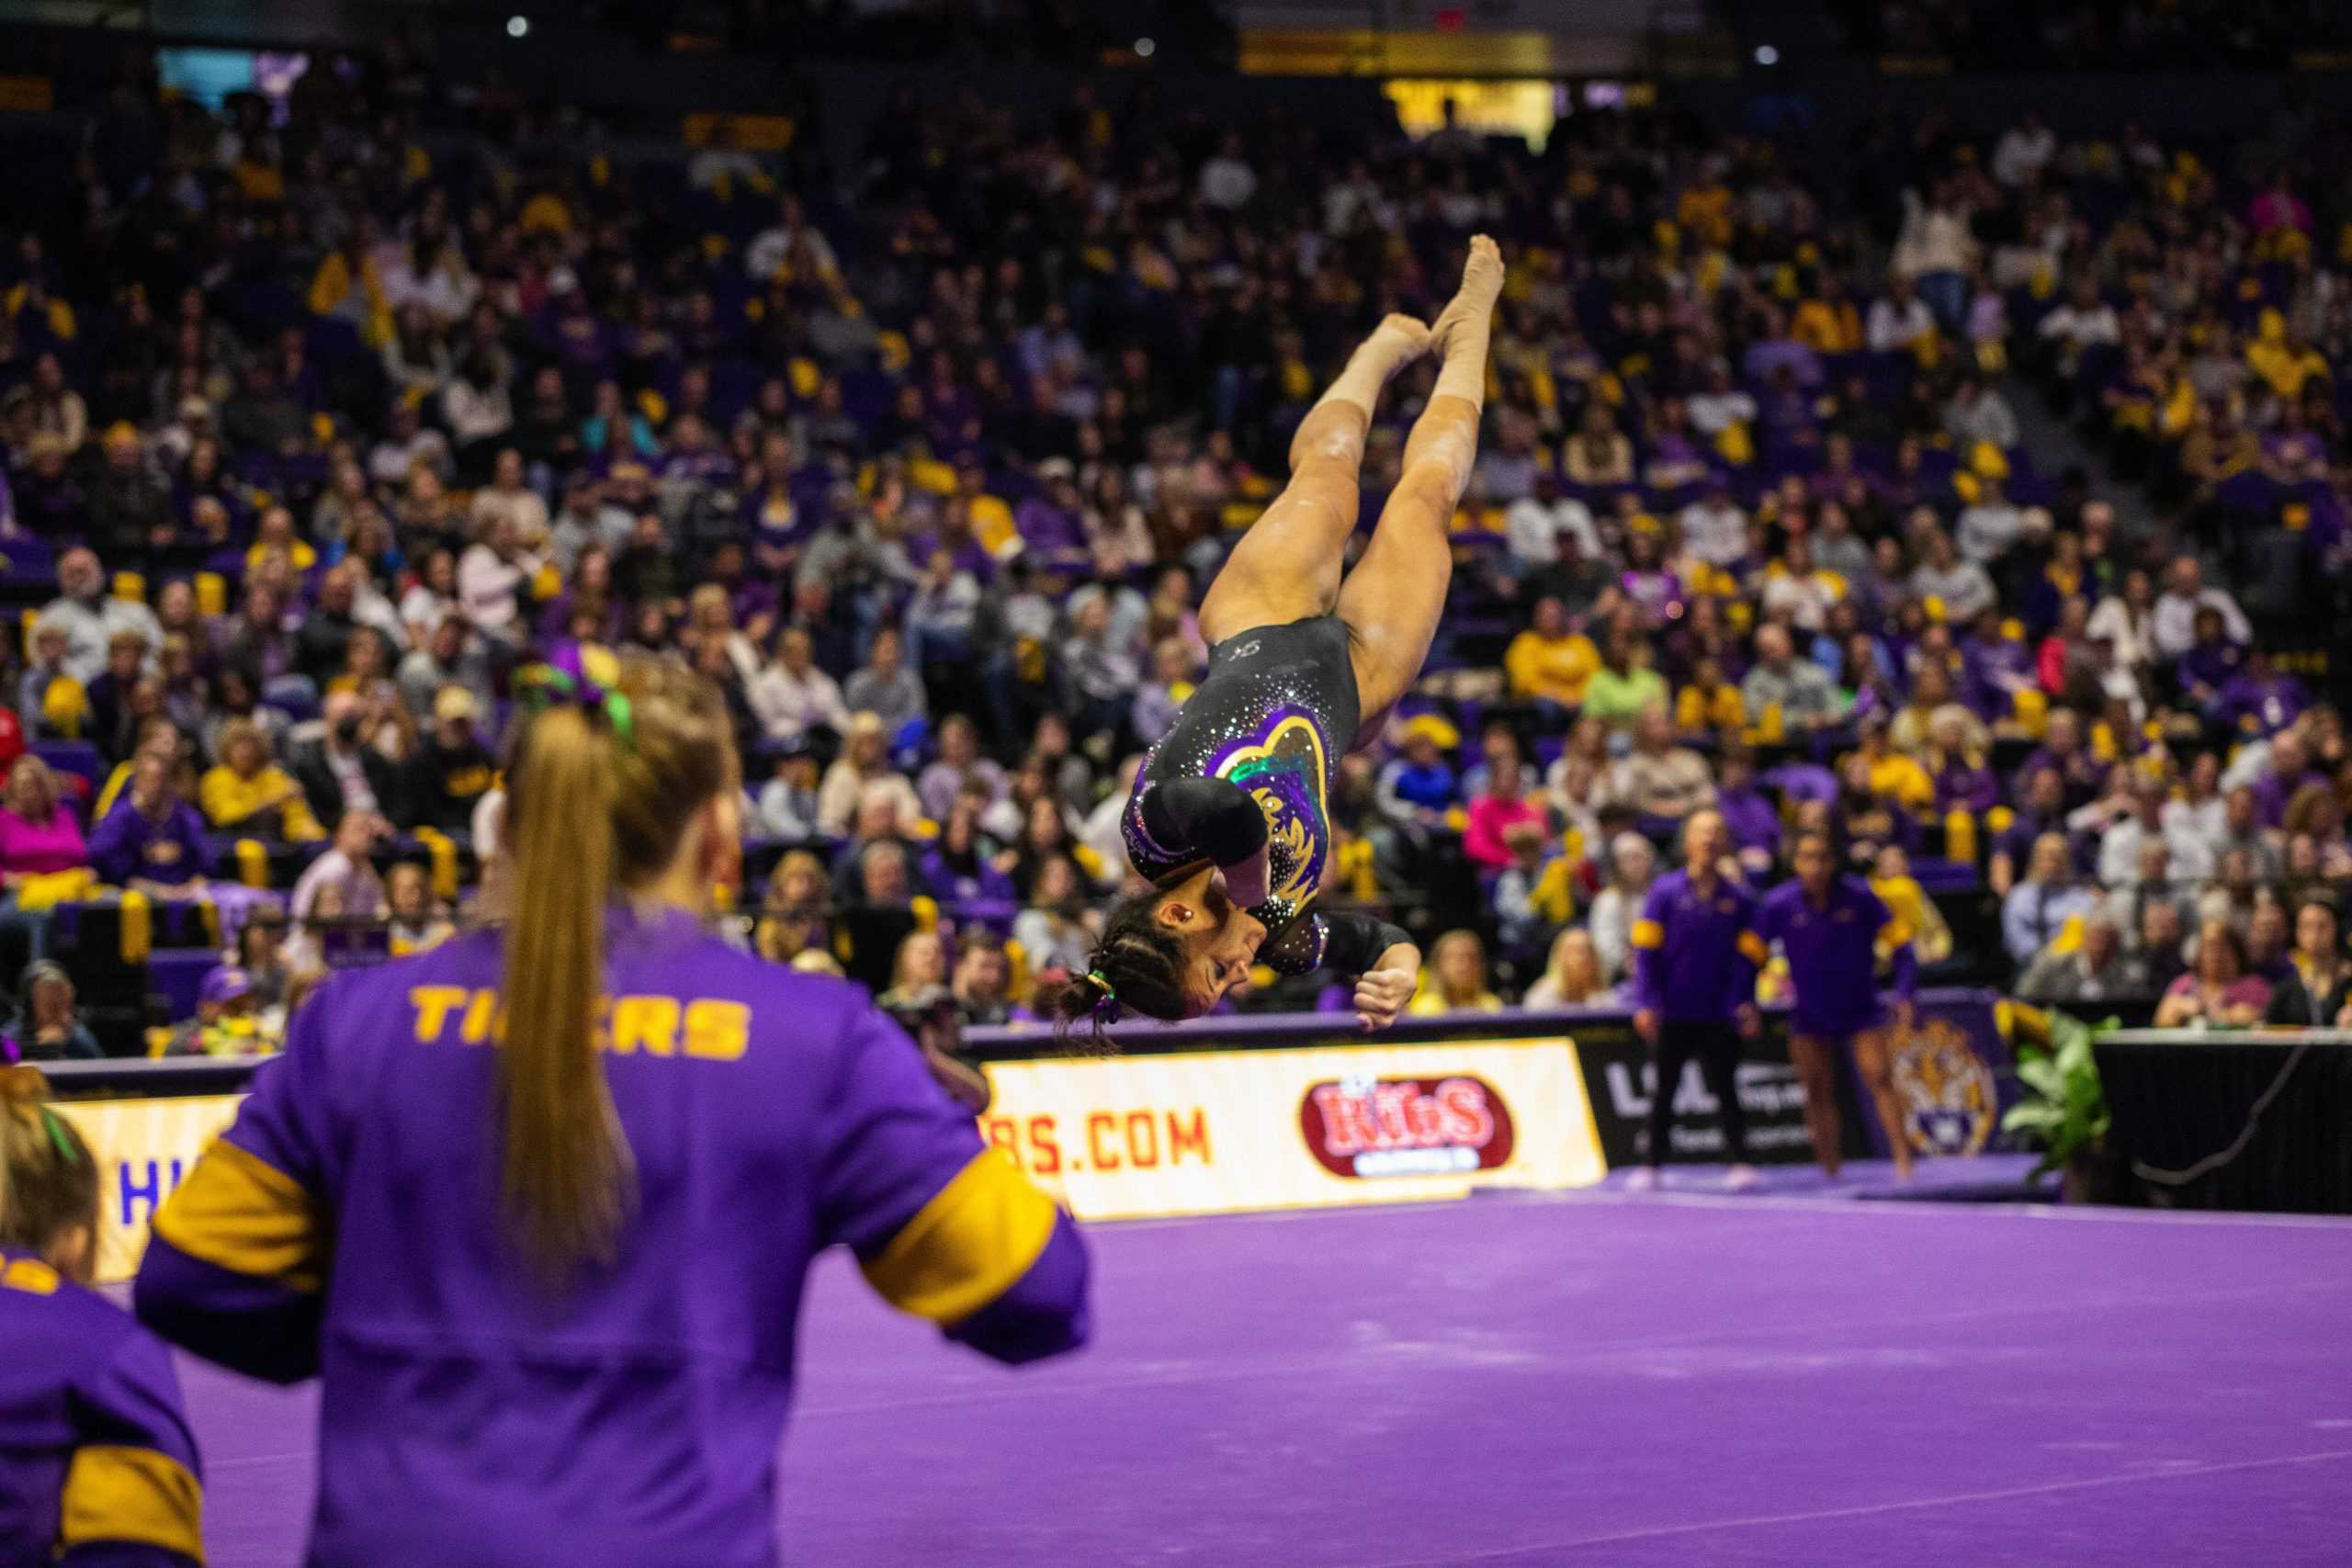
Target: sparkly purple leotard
column 1249, row 762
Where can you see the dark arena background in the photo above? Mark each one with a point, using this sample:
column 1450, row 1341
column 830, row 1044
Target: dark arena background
column 1921, row 423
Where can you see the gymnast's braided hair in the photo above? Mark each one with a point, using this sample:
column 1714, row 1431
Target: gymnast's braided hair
column 1138, row 966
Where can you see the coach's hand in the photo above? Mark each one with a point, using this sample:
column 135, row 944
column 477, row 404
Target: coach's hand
column 1749, row 1020
column 1381, row 995
column 1645, row 1024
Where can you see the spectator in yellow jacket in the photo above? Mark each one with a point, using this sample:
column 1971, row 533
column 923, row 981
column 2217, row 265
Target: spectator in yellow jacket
column 1827, row 322
column 1456, row 981
column 1710, row 703
column 249, row 793
column 1893, row 773
column 1550, row 661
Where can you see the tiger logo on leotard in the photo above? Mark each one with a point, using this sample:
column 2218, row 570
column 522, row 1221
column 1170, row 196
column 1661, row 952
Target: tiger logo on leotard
column 1284, row 772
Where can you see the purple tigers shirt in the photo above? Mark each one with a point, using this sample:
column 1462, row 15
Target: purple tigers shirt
column 350, row 1226
column 1832, row 949
column 1695, row 952
column 96, row 1462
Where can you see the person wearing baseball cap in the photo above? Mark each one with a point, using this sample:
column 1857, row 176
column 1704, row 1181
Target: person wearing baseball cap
column 450, row 770
column 224, row 1024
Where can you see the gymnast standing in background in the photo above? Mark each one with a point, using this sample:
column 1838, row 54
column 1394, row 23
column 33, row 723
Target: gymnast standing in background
column 537, row 1207
column 1229, row 818
column 1832, row 927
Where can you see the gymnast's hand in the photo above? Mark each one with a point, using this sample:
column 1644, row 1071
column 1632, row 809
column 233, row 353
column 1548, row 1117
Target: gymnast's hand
column 1381, row 995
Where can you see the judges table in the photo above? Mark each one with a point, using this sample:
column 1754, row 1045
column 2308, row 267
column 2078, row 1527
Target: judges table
column 2260, row 1120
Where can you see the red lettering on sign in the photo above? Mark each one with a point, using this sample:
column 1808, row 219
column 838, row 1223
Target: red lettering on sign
column 1467, row 1117
column 1143, row 1139
column 1194, row 1139
column 1347, row 1119
column 1099, row 1123
column 1045, row 1157
column 1406, row 1126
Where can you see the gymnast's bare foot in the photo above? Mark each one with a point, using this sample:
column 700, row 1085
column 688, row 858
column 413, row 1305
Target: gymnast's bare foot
column 1335, row 426
column 1482, row 284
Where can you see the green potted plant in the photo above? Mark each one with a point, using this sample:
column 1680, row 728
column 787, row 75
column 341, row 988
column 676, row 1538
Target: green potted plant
column 2064, row 1111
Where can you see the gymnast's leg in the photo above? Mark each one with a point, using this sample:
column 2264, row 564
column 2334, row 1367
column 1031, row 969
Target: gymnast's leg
column 1286, row 568
column 1393, row 599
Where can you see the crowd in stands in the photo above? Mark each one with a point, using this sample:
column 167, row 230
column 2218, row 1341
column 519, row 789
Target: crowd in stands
column 2098, row 35
column 314, row 433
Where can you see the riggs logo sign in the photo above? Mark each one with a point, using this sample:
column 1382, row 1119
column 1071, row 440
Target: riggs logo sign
column 1376, row 1127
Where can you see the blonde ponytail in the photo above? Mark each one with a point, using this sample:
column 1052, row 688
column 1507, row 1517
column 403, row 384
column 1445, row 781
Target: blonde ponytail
column 567, row 1166
column 601, row 793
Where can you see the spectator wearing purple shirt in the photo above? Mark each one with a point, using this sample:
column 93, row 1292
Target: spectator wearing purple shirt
column 1786, row 415
column 2289, row 770
column 1774, row 351
column 694, row 458
column 780, row 525
column 2211, row 662
column 2258, row 700
column 1053, row 524
column 2041, row 809
column 754, row 601
column 953, row 536
column 574, row 333
column 957, row 868
column 2062, row 750
column 257, row 637
column 1750, row 814
column 152, row 841
column 1994, row 667
column 960, row 769
column 1963, row 781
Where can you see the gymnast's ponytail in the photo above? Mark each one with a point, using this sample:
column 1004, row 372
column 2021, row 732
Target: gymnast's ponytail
column 49, row 1183
column 608, row 776
column 1138, row 966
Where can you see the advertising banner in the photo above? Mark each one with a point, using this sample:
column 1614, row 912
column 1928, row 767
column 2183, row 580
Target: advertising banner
column 1950, row 1070
column 1620, row 1077
column 1121, row 1137
column 143, row 1147
column 1225, row 1132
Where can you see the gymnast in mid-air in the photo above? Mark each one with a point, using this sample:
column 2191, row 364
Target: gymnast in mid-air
column 1229, row 818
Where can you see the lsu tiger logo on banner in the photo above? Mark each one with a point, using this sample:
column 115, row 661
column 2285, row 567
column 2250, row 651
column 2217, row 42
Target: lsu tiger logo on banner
column 1370, row 1128
column 1949, row 1103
